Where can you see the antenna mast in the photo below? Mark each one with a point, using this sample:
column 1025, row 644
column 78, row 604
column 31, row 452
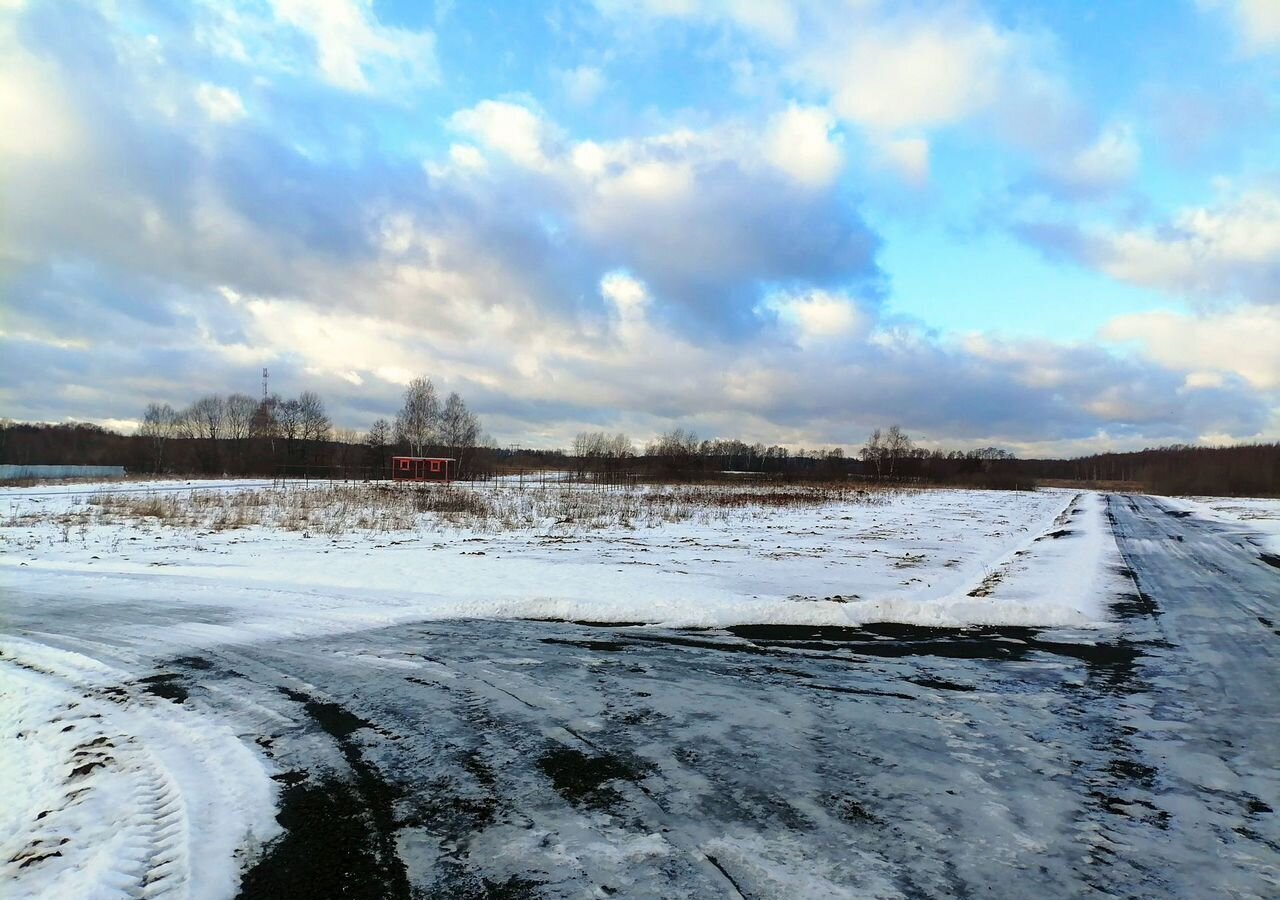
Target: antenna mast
column 264, row 383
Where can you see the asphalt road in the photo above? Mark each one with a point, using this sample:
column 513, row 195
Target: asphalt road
column 548, row 759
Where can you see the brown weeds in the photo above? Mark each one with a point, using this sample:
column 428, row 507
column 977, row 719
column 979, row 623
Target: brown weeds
column 342, row 508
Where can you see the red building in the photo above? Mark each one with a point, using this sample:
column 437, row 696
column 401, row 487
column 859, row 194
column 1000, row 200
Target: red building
column 422, row 468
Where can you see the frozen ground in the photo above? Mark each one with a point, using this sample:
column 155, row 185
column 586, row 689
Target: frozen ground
column 240, row 676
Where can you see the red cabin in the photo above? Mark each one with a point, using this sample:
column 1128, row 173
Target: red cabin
column 422, row 468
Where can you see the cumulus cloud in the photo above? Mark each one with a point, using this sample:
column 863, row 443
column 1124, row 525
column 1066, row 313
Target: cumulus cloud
column 355, row 52
column 799, row 142
column 709, row 275
column 704, row 217
column 910, row 73
column 899, row 74
column 38, row 122
column 819, row 317
column 1242, row 342
column 510, row 128
column 1222, row 252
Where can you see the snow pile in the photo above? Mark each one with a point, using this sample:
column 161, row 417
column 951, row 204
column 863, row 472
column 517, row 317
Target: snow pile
column 112, row 792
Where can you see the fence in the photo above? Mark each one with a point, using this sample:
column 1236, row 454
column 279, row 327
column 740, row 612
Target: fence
column 344, row 474
column 11, row 472
column 331, row 474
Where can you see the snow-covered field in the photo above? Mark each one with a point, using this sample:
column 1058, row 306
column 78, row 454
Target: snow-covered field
column 123, row 780
column 926, row 557
column 1259, row 517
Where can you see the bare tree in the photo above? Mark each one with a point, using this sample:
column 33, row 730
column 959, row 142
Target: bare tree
column 602, row 452
column 315, row 422
column 621, row 447
column 205, row 420
column 873, row 451
column 376, row 442
column 897, row 446
column 346, row 444
column 417, row 420
column 288, row 425
column 265, row 423
column 832, row 464
column 159, row 426
column 240, row 409
column 459, row 429
column 205, row 417
column 676, row 450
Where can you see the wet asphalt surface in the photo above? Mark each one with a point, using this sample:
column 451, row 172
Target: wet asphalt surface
column 552, row 759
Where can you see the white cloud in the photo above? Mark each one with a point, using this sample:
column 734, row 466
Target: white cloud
column 513, row 130
column 1110, row 160
column 37, row 122
column 907, row 157
column 900, row 72
column 912, row 73
column 1216, row 252
column 585, row 283
column 799, row 142
column 582, row 85
column 627, row 295
column 354, row 51
column 773, row 20
column 1256, row 21
column 1242, row 342
column 816, row 317
column 221, row 104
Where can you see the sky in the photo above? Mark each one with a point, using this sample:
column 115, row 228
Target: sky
column 1048, row 226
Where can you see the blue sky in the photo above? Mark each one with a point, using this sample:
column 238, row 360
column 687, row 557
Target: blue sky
column 1050, row 226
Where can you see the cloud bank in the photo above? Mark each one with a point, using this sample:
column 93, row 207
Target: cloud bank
column 193, row 196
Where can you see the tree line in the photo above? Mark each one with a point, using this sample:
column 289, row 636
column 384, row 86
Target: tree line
column 888, row 455
column 238, row 435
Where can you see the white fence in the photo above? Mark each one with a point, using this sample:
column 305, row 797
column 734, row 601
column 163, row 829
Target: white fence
column 10, row 472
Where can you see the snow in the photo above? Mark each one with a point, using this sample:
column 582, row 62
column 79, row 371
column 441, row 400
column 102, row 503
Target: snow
column 123, row 789
column 176, row 776
column 882, row 760
column 1249, row 515
column 917, row 559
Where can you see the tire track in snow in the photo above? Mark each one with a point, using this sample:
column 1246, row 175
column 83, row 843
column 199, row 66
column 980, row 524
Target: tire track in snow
column 105, row 812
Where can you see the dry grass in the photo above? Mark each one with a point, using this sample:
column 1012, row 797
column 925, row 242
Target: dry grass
column 342, row 508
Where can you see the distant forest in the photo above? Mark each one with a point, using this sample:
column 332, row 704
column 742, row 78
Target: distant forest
column 315, row 451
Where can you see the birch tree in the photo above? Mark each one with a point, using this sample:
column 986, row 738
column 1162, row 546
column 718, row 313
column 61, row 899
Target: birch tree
column 459, row 429
column 418, row 419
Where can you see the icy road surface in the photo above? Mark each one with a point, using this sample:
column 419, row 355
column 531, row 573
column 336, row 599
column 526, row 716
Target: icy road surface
column 492, row 758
